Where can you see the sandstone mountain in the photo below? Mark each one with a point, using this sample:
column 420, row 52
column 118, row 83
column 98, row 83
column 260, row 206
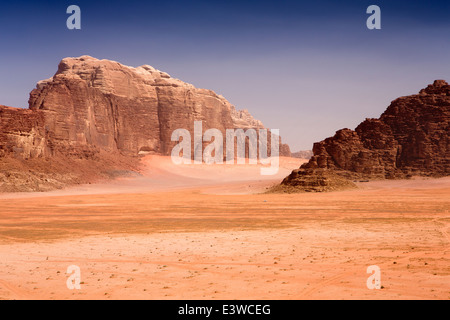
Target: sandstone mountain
column 93, row 106
column 411, row 137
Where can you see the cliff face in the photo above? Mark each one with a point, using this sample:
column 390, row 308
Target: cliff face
column 22, row 133
column 93, row 105
column 411, row 137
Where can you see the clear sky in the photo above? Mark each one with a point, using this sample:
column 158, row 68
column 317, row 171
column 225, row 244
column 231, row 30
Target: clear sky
column 307, row 68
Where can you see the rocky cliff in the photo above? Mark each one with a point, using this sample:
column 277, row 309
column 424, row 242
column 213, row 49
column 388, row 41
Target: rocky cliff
column 22, row 133
column 91, row 105
column 411, row 137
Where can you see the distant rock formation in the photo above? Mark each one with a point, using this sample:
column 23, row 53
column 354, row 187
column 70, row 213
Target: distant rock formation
column 411, row 137
column 304, row 154
column 91, row 105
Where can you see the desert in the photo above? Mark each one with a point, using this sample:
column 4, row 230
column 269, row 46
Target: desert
column 88, row 182
column 211, row 232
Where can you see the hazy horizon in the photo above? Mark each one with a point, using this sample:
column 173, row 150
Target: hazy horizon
column 307, row 69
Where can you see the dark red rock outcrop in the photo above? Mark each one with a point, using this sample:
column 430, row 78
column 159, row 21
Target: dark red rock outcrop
column 411, row 137
column 313, row 180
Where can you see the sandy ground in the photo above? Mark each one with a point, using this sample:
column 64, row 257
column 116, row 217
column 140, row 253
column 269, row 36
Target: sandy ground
column 206, row 232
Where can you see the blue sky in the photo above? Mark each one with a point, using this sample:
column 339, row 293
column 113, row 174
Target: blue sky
column 307, row 68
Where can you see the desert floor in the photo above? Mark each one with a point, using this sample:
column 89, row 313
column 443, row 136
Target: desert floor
column 207, row 232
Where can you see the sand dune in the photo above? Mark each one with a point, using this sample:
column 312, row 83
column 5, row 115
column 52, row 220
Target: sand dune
column 159, row 173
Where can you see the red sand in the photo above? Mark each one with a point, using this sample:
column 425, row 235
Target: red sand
column 204, row 232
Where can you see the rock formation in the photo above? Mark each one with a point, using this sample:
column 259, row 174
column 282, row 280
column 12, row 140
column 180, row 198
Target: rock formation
column 313, row 180
column 411, row 137
column 93, row 106
column 22, row 133
column 303, row 154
